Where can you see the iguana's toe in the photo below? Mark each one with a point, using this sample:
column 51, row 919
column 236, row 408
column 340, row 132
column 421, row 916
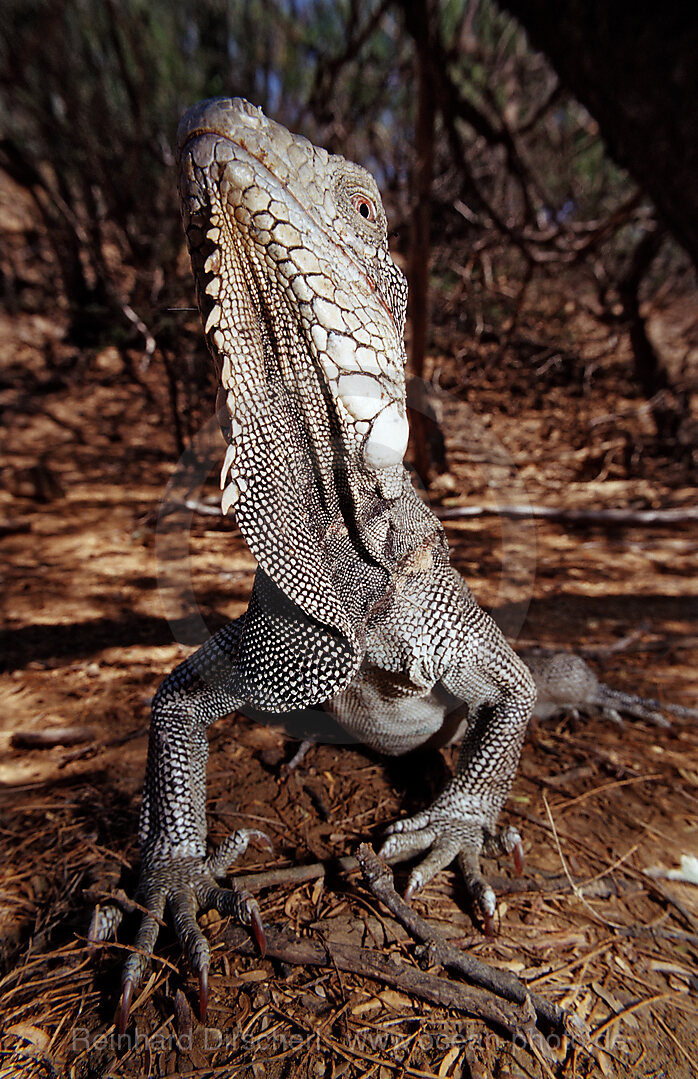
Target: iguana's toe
column 442, row 840
column 187, row 887
column 234, row 846
column 105, row 922
column 613, row 715
column 505, row 841
column 445, row 839
column 136, row 964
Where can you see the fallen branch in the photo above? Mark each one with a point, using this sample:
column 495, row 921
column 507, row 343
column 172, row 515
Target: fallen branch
column 543, row 884
column 194, row 505
column 516, row 1020
column 680, row 515
column 89, row 775
column 52, row 736
column 16, row 527
column 379, row 879
column 294, row 874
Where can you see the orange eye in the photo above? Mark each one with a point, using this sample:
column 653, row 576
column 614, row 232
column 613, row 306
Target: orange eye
column 364, row 206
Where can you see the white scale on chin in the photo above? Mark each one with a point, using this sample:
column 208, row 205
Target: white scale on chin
column 386, row 444
column 373, row 414
column 230, row 497
column 361, row 395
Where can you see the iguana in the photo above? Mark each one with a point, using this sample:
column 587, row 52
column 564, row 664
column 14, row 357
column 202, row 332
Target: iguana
column 564, row 681
column 354, row 604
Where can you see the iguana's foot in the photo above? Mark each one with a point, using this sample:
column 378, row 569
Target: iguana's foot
column 446, row 836
column 188, row 887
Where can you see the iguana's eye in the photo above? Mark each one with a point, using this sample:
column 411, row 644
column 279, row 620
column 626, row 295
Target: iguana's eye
column 363, row 205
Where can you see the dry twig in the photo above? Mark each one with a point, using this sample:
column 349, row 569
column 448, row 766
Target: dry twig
column 379, row 879
column 612, row 516
column 368, row 963
column 47, row 739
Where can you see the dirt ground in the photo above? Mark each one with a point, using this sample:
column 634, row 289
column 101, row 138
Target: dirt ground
column 101, row 599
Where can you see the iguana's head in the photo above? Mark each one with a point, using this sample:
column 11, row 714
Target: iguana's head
column 301, row 301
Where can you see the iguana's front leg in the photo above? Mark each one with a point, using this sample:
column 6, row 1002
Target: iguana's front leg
column 462, row 822
column 433, row 638
column 274, row 659
column 175, row 870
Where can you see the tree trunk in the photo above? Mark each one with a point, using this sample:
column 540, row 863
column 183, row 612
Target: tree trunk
column 421, row 21
column 635, row 68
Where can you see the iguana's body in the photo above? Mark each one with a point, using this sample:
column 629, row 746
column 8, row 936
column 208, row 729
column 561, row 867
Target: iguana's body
column 354, row 604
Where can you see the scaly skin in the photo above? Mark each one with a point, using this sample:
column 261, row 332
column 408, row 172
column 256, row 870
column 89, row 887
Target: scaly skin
column 565, row 681
column 354, row 604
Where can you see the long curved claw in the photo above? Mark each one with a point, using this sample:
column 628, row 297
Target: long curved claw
column 506, row 841
column 489, row 925
column 239, row 905
column 124, row 1008
column 258, row 930
column 411, row 890
column 260, row 841
column 203, row 993
column 518, row 856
